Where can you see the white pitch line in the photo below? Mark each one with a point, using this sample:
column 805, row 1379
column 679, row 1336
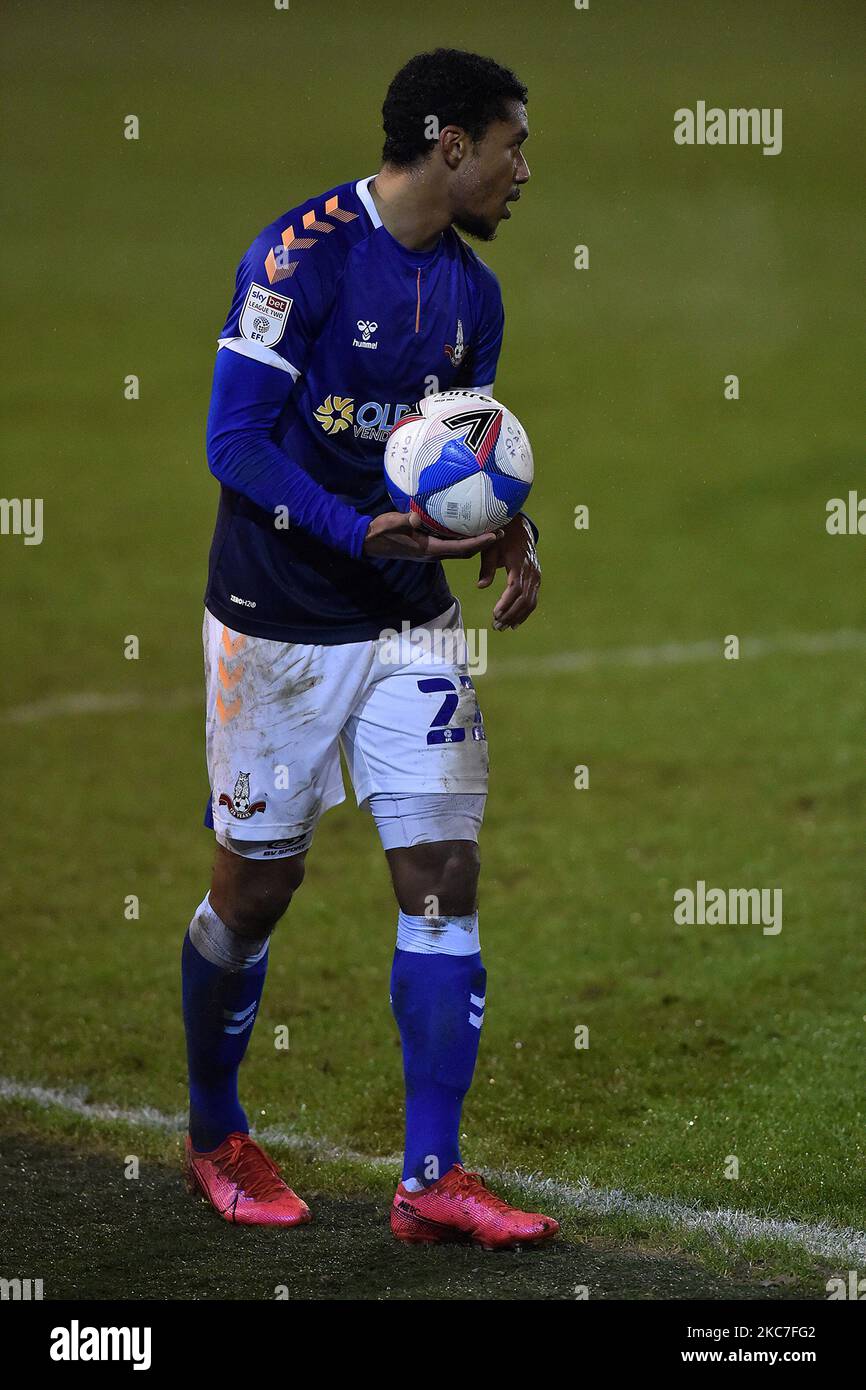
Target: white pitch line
column 96, row 702
column 553, row 663
column 821, row 1239
column 145, row 1117
column 684, row 653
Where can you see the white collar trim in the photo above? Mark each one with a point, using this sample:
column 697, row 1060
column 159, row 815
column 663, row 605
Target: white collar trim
column 363, row 191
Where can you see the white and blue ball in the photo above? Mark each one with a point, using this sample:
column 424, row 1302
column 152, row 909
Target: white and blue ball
column 461, row 461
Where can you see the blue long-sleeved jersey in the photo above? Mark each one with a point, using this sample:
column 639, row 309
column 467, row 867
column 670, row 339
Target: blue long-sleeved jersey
column 335, row 330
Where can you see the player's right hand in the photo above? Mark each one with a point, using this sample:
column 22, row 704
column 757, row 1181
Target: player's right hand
column 399, row 536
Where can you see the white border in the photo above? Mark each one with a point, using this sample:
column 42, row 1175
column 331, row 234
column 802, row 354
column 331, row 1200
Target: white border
column 363, row 191
column 245, row 347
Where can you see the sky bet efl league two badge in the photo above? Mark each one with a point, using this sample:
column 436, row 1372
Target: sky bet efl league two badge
column 264, row 315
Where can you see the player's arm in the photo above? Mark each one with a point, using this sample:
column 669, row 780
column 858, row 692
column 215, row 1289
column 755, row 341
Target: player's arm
column 516, row 554
column 247, row 400
column 398, row 536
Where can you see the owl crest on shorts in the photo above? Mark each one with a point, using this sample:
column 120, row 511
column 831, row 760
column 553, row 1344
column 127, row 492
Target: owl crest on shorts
column 240, row 805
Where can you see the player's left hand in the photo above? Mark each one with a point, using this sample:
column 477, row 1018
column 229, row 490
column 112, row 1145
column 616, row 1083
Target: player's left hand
column 516, row 554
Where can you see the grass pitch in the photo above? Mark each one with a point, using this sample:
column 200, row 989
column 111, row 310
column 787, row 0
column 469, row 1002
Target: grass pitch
column 706, row 519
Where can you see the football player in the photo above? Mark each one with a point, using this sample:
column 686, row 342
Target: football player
column 347, row 309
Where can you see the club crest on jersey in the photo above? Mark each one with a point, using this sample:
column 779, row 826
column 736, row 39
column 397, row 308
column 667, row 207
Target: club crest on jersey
column 366, row 328
column 263, row 317
column 240, row 805
column 458, row 351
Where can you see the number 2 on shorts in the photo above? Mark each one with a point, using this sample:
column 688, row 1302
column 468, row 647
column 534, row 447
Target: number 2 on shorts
column 439, row 725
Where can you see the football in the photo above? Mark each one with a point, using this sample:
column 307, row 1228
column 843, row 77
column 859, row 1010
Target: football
column 461, row 461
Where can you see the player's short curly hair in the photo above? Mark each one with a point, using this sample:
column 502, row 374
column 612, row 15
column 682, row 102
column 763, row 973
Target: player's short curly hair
column 457, row 88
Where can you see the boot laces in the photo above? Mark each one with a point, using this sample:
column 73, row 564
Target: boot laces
column 468, row 1184
column 255, row 1174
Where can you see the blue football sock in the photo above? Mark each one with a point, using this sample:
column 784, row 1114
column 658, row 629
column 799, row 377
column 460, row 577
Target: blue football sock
column 438, row 1002
column 223, row 977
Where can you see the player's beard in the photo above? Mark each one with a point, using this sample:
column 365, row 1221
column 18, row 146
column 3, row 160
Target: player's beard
column 476, row 226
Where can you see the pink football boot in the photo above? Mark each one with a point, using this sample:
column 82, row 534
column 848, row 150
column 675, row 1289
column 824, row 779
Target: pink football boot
column 459, row 1207
column 244, row 1185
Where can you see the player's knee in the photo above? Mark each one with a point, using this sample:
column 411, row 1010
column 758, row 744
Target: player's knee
column 255, row 914
column 251, row 896
column 437, row 878
column 459, row 873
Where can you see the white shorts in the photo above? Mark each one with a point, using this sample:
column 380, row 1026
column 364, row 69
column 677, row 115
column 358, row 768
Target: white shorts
column 402, row 707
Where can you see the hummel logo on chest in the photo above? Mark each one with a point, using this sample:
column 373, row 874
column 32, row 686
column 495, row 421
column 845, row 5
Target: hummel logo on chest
column 366, row 328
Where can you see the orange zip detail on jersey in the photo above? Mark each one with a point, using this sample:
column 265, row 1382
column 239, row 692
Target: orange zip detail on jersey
column 418, row 301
